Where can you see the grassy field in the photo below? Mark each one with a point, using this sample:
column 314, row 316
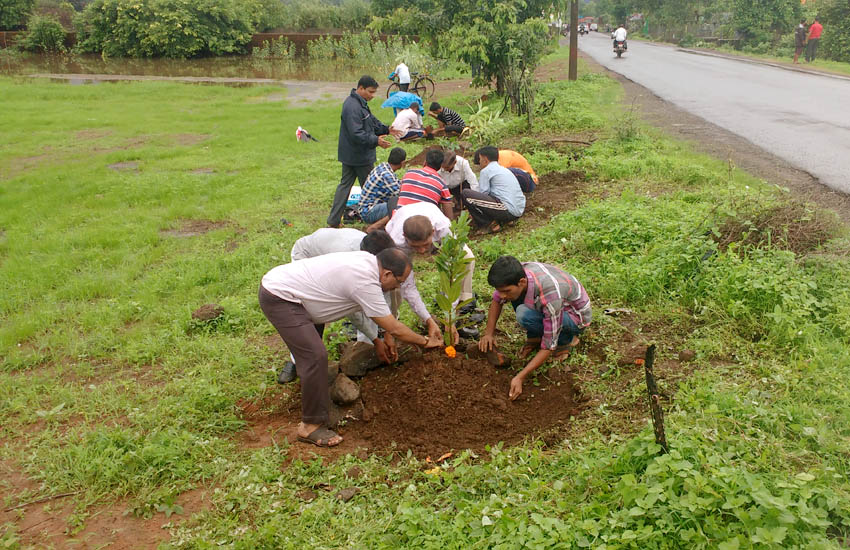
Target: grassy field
column 123, row 207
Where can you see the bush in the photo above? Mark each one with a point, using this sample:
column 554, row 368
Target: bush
column 835, row 18
column 167, row 28
column 13, row 13
column 44, row 34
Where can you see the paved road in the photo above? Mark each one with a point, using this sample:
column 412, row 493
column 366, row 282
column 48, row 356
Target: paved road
column 802, row 118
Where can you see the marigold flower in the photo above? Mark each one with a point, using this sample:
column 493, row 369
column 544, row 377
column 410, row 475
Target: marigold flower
column 451, row 352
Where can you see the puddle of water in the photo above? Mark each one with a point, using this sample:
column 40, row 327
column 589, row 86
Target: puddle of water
column 225, row 67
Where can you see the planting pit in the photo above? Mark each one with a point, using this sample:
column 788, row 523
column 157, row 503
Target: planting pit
column 430, row 406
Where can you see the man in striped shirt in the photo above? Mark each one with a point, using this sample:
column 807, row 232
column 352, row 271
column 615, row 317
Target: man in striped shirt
column 451, row 123
column 426, row 185
column 550, row 304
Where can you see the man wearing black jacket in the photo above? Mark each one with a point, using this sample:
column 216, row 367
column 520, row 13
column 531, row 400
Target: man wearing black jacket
column 359, row 133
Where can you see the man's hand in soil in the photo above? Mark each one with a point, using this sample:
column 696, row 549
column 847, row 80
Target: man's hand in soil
column 392, row 347
column 487, row 342
column 434, row 329
column 434, row 342
column 381, row 350
column 516, row 387
column 382, row 142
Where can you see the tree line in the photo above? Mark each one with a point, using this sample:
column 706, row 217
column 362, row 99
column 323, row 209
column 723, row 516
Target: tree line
column 762, row 26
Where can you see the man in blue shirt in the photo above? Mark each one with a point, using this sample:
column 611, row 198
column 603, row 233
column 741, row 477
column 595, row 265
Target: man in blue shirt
column 381, row 188
column 499, row 197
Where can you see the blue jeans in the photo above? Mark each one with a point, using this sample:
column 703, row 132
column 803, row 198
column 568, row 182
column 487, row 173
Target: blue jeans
column 532, row 321
column 377, row 212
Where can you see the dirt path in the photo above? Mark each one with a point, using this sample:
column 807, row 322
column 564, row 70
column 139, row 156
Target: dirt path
column 722, row 144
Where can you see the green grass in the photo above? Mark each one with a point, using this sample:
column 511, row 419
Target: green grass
column 108, row 388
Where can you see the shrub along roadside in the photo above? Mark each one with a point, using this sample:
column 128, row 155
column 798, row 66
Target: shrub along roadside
column 166, row 28
column 44, row 34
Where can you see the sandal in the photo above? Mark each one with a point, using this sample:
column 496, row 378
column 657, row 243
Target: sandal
column 320, row 437
column 563, row 351
column 530, row 345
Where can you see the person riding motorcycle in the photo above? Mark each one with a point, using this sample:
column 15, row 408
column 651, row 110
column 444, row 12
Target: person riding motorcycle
column 619, row 35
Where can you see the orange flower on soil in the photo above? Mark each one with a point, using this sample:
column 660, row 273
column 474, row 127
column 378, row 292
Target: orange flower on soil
column 639, row 362
column 451, row 352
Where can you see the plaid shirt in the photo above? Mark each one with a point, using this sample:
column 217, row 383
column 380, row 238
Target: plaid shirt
column 554, row 292
column 381, row 184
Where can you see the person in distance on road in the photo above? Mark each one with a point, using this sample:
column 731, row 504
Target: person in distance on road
column 620, row 36
column 550, row 304
column 813, row 39
column 799, row 40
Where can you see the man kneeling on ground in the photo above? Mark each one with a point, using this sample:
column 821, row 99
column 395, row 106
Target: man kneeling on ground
column 300, row 297
column 520, row 168
column 550, row 304
column 408, row 123
column 451, row 123
column 499, row 197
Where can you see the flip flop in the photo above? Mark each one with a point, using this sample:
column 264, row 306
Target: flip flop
column 563, row 351
column 320, row 437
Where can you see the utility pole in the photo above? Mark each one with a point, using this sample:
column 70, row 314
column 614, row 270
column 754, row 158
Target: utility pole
column 573, row 40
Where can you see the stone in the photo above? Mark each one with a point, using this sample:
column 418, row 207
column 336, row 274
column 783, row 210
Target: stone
column 208, row 312
column 333, row 371
column 687, row 355
column 347, row 494
column 498, row 359
column 357, row 359
column 306, row 495
column 335, row 415
column 344, row 390
column 354, row 472
column 408, row 352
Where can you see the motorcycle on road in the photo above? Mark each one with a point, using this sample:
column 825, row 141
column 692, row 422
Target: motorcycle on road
column 620, row 47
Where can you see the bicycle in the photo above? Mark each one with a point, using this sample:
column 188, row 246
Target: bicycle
column 420, row 84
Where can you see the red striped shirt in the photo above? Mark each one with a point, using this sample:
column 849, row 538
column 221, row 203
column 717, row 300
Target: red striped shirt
column 423, row 185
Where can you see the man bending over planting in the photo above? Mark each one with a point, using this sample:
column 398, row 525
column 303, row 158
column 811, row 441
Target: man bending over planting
column 550, row 304
column 300, row 297
column 417, row 227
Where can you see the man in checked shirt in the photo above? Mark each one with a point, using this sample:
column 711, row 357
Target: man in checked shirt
column 550, row 304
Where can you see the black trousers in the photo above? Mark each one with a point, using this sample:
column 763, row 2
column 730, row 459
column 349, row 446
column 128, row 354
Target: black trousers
column 485, row 208
column 812, row 49
column 404, row 87
column 349, row 173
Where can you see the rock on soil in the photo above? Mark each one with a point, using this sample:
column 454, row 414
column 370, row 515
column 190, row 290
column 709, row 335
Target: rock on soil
column 208, row 312
column 333, row 371
column 347, row 494
column 687, row 355
column 357, row 359
column 344, row 391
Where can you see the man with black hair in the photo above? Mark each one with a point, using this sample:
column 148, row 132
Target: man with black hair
column 813, row 39
column 499, row 197
column 329, row 240
column 426, row 185
column 451, row 123
column 550, row 304
column 380, row 192
column 799, row 39
column 418, row 227
column 457, row 174
column 300, row 297
column 359, row 134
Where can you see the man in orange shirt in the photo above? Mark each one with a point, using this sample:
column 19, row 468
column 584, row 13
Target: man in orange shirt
column 520, row 167
column 814, row 37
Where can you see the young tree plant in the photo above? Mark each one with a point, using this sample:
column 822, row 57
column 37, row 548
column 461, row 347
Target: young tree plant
column 451, row 266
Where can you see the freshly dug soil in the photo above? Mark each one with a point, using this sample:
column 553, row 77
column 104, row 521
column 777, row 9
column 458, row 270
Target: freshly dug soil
column 435, row 405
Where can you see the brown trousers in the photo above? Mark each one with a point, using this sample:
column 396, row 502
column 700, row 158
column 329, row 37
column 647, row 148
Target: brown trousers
column 304, row 340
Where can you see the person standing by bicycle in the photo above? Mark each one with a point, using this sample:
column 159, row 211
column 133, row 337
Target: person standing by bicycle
column 403, row 74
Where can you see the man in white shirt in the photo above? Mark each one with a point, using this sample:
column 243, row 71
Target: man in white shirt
column 329, row 240
column 620, row 36
column 298, row 298
column 403, row 74
column 417, row 227
column 457, row 174
column 408, row 123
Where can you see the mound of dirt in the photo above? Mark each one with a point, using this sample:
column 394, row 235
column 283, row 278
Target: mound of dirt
column 435, row 404
column 791, row 226
column 556, row 192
